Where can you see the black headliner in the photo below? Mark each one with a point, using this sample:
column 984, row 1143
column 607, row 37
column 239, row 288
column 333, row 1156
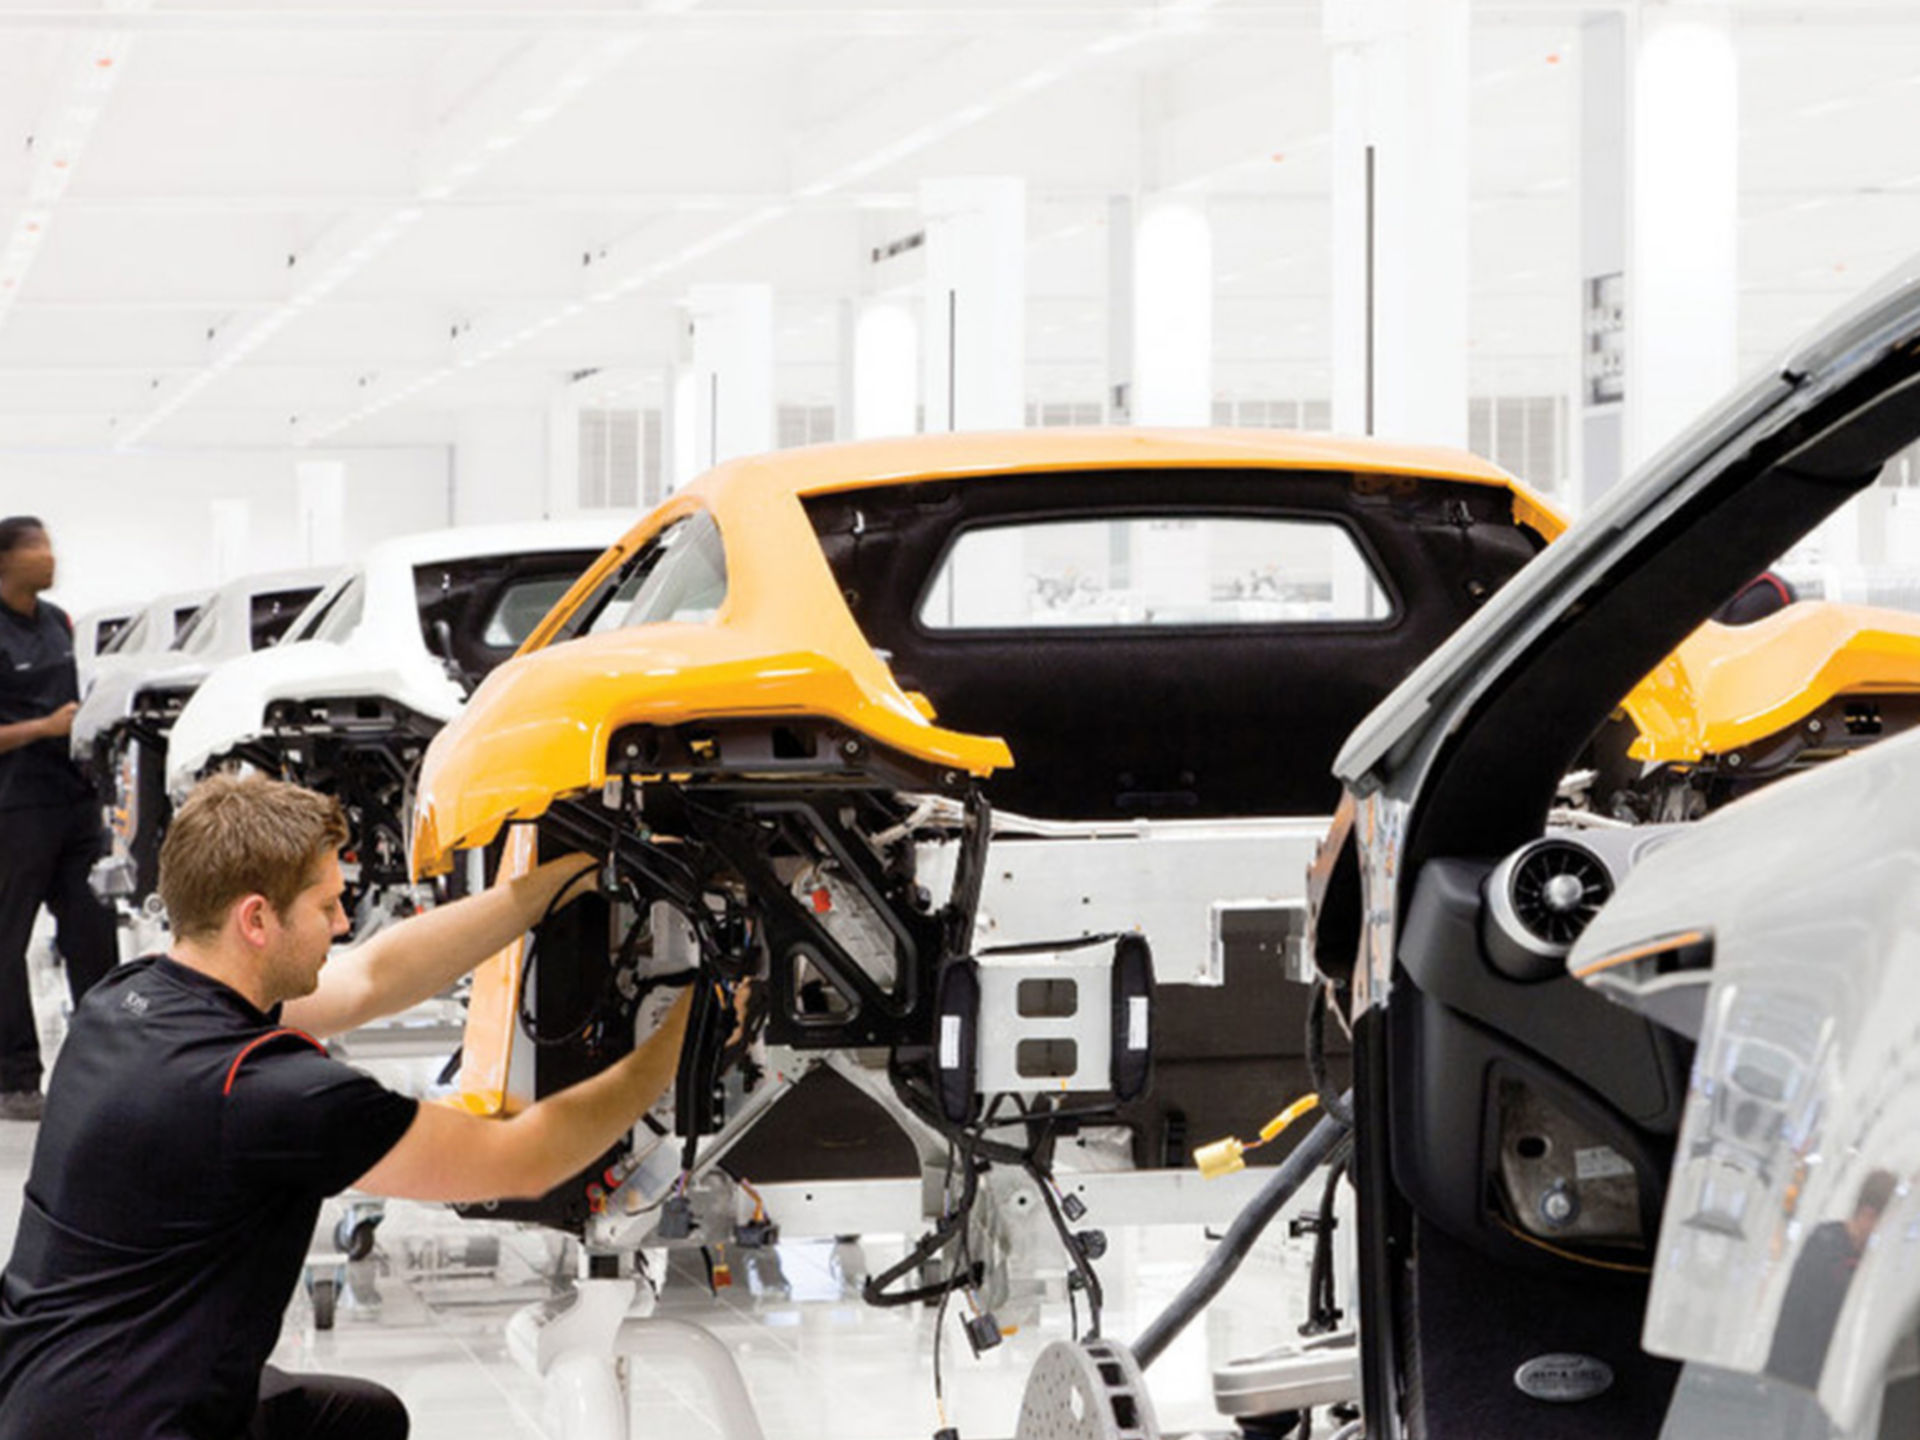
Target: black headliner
column 1187, row 722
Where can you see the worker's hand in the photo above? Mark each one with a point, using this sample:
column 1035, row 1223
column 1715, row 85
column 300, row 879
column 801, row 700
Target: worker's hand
column 742, row 1005
column 577, row 872
column 59, row 724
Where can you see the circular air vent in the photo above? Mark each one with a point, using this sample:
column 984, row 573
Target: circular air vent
column 1540, row 898
column 1557, row 887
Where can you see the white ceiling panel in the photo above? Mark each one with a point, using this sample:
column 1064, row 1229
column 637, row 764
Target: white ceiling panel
column 483, row 199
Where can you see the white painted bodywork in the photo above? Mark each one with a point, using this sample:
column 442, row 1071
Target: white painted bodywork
column 152, row 633
column 384, row 655
column 215, row 638
column 86, row 628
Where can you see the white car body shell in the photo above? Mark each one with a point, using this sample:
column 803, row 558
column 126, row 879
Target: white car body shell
column 86, row 635
column 150, row 632
column 384, row 655
column 216, row 638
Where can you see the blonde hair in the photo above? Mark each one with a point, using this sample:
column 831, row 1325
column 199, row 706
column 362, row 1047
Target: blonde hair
column 241, row 835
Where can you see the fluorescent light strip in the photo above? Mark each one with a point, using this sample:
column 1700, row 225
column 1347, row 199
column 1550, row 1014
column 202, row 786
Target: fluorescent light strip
column 93, row 71
column 1178, row 17
column 271, row 323
column 380, row 237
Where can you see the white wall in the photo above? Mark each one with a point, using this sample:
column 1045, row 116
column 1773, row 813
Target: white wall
column 129, row 527
column 500, row 466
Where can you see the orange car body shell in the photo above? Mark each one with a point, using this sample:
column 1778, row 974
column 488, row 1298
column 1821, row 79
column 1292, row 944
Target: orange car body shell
column 783, row 642
column 1727, row 687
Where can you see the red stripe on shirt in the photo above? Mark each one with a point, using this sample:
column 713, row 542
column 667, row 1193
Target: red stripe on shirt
column 233, row 1072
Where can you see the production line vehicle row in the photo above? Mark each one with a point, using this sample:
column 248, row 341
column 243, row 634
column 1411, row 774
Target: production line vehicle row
column 1055, row 789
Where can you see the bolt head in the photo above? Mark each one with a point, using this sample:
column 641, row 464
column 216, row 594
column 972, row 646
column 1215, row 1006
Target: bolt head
column 1557, row 1206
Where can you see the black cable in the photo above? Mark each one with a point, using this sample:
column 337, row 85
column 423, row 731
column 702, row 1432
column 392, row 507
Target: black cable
column 946, row 1295
column 529, row 1023
column 1323, row 1314
column 969, row 1264
column 1287, row 1178
column 1336, row 1106
column 949, row 1228
column 939, row 1332
column 700, row 1062
column 1076, row 1252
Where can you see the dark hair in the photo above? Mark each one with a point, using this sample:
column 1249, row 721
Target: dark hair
column 1876, row 1191
column 16, row 528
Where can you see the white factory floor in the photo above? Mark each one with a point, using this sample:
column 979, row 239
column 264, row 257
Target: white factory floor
column 818, row 1363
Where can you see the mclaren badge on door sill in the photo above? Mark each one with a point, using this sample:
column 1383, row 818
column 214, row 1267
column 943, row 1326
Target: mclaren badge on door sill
column 1564, row 1379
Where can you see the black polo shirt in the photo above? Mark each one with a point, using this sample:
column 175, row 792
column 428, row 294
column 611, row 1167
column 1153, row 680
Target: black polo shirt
column 37, row 677
column 187, row 1144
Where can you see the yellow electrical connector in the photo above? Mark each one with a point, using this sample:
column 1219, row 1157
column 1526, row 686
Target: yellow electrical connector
column 1287, row 1116
column 1223, row 1157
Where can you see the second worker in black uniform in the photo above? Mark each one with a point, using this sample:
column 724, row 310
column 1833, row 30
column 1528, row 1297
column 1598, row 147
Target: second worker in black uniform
column 49, row 813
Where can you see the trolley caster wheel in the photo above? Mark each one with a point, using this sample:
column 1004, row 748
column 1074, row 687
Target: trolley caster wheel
column 353, row 1237
column 325, row 1292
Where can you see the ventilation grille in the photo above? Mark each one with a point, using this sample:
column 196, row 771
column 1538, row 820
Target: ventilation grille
column 1556, row 888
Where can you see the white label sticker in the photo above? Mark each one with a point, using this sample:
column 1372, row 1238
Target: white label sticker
column 1136, row 1022
column 949, row 1042
column 1598, row 1162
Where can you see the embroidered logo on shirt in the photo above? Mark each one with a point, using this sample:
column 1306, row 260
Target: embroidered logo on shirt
column 134, row 1001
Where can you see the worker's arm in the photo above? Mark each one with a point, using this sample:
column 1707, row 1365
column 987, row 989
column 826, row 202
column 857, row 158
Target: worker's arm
column 419, row 957
column 450, row 1155
column 47, row 727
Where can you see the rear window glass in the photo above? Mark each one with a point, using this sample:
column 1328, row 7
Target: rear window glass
column 679, row 575
column 198, row 636
column 475, row 612
column 342, row 615
column 520, row 608
column 1154, row 571
column 182, row 622
column 273, row 613
column 130, row 638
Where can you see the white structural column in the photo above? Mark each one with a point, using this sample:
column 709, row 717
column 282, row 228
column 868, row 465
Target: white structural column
column 974, row 339
column 1683, row 210
column 562, row 497
column 500, row 461
column 1400, row 222
column 680, row 420
column 1605, row 72
column 727, row 390
column 1120, row 327
column 320, row 520
column 886, row 370
column 231, row 532
column 1172, row 287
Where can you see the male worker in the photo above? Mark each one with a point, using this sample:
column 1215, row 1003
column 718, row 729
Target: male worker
column 193, row 1126
column 49, row 815
column 1817, row 1288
